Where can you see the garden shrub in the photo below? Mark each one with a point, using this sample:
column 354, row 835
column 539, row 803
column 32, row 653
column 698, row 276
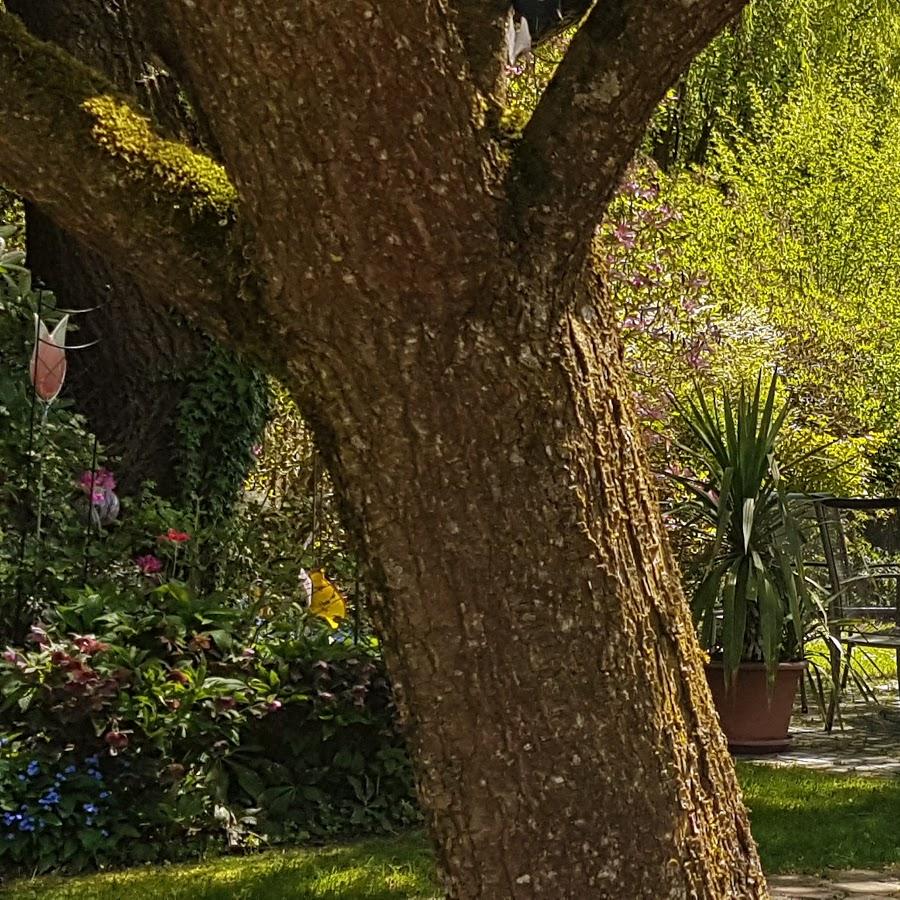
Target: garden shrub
column 166, row 686
column 149, row 724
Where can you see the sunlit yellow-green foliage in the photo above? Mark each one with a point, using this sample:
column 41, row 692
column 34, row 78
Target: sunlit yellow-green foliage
column 285, row 461
column 821, row 195
column 791, row 207
column 797, row 232
column 756, row 65
column 779, row 152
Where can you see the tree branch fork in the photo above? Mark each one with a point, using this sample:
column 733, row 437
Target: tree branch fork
column 84, row 153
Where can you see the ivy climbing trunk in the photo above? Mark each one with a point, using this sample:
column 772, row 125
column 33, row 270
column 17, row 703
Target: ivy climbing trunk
column 138, row 383
column 422, row 281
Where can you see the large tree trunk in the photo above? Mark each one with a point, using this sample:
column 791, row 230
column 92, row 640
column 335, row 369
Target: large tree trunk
column 425, row 288
column 145, row 360
column 559, row 715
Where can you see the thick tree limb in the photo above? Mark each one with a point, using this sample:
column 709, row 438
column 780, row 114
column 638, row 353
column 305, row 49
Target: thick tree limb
column 482, row 25
column 76, row 147
column 594, row 112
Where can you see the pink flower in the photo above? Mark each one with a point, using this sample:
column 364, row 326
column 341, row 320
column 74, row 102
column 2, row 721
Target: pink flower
column 274, row 706
column 38, row 636
column 100, row 481
column 624, row 235
column 82, row 674
column 10, row 655
column 695, row 358
column 175, row 537
column 149, row 564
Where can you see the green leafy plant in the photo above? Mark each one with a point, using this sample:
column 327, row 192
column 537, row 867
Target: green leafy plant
column 191, row 722
column 752, row 601
column 168, row 683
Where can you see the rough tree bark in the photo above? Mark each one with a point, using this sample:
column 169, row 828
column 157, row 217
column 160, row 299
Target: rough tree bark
column 130, row 383
column 437, row 317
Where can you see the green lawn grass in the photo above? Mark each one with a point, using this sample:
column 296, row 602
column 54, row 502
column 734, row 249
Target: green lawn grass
column 803, row 821
column 875, row 663
column 388, row 869
column 807, row 821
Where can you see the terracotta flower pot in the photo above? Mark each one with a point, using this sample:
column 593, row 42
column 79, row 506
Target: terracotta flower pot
column 753, row 720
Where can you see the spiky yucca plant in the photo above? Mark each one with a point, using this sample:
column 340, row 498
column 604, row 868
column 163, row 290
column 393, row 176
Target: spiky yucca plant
column 752, row 602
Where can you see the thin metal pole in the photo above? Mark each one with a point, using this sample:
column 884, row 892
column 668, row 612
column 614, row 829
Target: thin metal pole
column 30, row 453
column 89, row 518
column 356, row 608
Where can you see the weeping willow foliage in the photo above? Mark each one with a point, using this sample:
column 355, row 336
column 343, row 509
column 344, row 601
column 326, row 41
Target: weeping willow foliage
column 755, row 67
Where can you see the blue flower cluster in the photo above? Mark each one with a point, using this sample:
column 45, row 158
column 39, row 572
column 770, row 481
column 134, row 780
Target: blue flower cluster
column 21, row 820
column 51, row 798
column 28, row 818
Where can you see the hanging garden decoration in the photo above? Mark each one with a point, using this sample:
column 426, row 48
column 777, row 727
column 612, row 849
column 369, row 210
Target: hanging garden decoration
column 323, row 597
column 48, row 359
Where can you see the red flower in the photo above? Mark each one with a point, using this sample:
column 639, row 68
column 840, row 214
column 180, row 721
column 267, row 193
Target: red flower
column 83, row 674
column 88, row 644
column 116, row 741
column 175, row 537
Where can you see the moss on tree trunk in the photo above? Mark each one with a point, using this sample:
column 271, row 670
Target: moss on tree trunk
column 145, row 385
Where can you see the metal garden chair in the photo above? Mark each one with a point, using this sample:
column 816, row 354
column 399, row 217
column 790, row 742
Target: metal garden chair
column 853, row 576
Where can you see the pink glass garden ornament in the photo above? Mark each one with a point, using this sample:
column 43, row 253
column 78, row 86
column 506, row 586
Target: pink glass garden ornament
column 48, row 360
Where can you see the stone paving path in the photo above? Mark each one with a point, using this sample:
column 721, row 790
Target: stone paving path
column 867, row 744
column 856, row 884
